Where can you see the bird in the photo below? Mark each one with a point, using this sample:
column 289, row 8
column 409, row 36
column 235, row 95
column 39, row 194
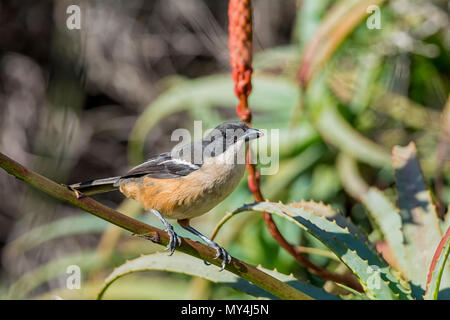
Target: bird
column 186, row 182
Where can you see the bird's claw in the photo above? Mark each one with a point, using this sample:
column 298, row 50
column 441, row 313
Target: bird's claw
column 78, row 194
column 173, row 240
column 222, row 253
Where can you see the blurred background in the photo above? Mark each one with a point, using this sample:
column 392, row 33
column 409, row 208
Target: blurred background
column 92, row 102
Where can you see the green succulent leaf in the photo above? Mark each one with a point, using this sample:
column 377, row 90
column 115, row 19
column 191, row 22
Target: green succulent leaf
column 183, row 263
column 383, row 212
column 24, row 285
column 77, row 224
column 290, row 169
column 421, row 226
column 350, row 177
column 334, row 129
column 340, row 20
column 388, row 220
column 437, row 267
column 328, row 212
column 372, row 272
column 446, row 223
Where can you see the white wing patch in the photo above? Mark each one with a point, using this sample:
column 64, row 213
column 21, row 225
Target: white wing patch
column 144, row 164
column 182, row 162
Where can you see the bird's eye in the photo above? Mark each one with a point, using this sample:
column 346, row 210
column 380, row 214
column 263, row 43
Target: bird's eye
column 235, row 139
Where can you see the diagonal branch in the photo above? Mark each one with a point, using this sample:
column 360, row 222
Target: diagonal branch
column 193, row 248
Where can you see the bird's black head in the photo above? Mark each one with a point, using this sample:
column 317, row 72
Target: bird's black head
column 233, row 131
column 227, row 134
column 218, row 141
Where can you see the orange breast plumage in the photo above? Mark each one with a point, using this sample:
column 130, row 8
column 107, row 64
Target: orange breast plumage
column 192, row 195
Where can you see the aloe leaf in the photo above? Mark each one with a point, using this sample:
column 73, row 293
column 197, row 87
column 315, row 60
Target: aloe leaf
column 312, row 291
column 446, row 223
column 356, row 295
column 397, row 106
column 77, row 224
column 44, row 273
column 340, row 20
column 290, row 168
column 308, row 20
column 382, row 212
column 334, row 129
column 366, row 74
column 388, row 220
column 351, row 180
column 325, row 182
column 404, row 109
column 296, row 138
column 437, row 267
column 139, row 287
column 375, row 277
column 328, row 212
column 69, row 226
column 443, row 151
column 182, row 263
column 421, row 227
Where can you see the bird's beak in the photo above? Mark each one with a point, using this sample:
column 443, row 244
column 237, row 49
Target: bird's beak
column 252, row 134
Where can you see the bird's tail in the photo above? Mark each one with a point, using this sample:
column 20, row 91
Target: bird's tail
column 96, row 186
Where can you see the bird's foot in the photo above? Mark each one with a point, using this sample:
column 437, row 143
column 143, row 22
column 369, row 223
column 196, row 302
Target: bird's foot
column 173, row 237
column 173, row 240
column 220, row 253
column 78, row 193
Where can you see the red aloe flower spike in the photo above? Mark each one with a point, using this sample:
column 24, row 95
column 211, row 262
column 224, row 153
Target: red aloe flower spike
column 240, row 44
